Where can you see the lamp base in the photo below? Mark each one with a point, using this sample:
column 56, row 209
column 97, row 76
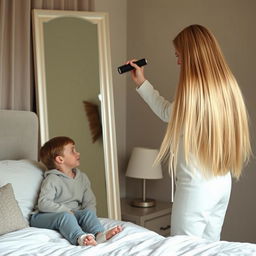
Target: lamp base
column 143, row 204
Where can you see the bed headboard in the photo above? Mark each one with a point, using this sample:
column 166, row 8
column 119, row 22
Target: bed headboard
column 18, row 135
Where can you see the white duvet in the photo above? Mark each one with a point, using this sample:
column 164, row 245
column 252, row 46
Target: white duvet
column 133, row 240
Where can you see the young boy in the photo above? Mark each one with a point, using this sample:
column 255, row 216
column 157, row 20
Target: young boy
column 66, row 202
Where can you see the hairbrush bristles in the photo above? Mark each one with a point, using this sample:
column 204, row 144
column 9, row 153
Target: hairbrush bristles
column 93, row 116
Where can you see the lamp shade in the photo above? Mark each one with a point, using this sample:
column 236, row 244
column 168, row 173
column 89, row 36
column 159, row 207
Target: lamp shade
column 141, row 164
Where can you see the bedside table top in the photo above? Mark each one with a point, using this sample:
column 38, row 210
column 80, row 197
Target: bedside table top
column 161, row 207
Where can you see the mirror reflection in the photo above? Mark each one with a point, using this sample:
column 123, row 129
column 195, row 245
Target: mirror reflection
column 69, row 77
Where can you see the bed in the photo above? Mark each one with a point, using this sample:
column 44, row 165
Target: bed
column 21, row 175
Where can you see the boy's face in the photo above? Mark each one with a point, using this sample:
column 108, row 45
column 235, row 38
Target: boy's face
column 71, row 158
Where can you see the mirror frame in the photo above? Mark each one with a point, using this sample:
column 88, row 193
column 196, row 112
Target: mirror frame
column 106, row 90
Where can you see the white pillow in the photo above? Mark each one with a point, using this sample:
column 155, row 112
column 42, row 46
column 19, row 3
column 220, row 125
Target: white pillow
column 26, row 177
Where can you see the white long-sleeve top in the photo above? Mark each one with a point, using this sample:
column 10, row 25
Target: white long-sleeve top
column 160, row 106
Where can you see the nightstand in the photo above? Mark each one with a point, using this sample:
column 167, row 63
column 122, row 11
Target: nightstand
column 157, row 218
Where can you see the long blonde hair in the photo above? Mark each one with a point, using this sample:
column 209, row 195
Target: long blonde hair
column 209, row 109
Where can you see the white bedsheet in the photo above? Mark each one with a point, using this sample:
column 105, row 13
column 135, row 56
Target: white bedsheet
column 133, row 240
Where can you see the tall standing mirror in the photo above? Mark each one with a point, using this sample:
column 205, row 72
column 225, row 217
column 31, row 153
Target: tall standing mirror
column 72, row 63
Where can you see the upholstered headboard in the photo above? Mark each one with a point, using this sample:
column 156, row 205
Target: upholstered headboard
column 18, row 135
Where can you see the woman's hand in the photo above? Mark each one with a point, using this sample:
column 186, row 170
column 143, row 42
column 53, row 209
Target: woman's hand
column 137, row 74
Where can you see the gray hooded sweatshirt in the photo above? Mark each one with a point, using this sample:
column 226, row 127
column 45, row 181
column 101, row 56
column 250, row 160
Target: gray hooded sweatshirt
column 61, row 193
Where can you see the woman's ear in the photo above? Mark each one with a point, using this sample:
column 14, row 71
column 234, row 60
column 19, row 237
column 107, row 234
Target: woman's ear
column 59, row 159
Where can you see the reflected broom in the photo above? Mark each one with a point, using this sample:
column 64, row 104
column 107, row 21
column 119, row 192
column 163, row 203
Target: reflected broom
column 93, row 116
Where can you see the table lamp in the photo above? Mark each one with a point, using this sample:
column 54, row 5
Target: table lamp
column 141, row 166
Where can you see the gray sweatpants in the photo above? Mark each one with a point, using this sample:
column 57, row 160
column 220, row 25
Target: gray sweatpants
column 71, row 226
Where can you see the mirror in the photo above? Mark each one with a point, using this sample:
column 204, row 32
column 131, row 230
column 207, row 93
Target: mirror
column 72, row 64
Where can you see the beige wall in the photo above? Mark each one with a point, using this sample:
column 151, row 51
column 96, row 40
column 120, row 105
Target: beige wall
column 151, row 27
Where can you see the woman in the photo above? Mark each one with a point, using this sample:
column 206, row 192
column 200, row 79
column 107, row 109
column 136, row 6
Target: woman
column 207, row 137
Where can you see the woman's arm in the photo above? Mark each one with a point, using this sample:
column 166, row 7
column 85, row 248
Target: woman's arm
column 160, row 106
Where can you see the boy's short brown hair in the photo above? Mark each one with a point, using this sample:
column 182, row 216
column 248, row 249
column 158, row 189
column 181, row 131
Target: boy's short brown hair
column 53, row 148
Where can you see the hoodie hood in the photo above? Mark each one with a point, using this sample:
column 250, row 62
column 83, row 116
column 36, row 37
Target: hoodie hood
column 59, row 173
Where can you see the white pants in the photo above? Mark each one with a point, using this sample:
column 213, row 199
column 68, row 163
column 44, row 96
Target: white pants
column 199, row 208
